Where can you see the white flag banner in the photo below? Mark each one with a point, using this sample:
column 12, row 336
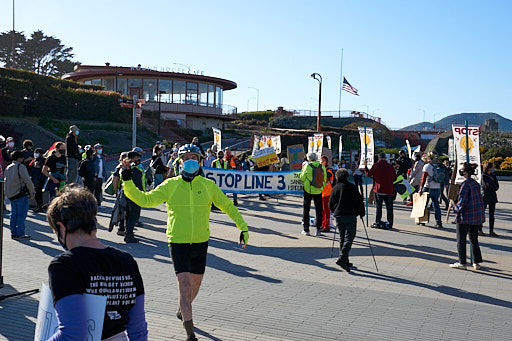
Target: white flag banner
column 340, row 147
column 329, row 142
column 318, row 144
column 217, row 138
column 409, row 151
column 276, row 143
column 366, row 141
column 463, row 145
column 311, row 143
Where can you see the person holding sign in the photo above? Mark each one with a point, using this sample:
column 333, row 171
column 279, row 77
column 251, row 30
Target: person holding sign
column 432, row 179
column 189, row 197
column 90, row 267
column 314, row 176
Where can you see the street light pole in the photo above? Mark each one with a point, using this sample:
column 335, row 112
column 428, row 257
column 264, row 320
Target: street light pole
column 319, row 79
column 258, row 98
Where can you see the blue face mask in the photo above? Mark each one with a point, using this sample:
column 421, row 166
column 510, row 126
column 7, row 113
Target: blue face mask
column 77, row 132
column 99, row 151
column 190, row 168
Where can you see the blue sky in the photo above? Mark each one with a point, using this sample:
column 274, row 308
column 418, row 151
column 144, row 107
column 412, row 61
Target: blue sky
column 444, row 57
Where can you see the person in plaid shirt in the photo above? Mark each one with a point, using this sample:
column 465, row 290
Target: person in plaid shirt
column 470, row 216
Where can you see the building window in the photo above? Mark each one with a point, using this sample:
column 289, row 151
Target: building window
column 203, row 94
column 149, row 92
column 134, row 82
column 87, row 82
column 108, row 83
column 211, row 95
column 191, row 93
column 165, row 90
column 218, row 99
column 178, row 92
column 121, row 86
column 96, row 82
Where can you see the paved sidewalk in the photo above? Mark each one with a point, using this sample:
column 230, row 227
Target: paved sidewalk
column 286, row 286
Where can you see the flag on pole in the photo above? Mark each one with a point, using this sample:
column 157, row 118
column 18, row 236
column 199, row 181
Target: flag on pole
column 349, row 88
column 340, row 147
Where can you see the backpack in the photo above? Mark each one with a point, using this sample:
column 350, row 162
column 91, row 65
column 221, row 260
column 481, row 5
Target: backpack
column 318, row 176
column 82, row 168
column 439, row 173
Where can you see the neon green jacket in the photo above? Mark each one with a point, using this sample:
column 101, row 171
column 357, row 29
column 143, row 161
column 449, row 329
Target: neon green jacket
column 188, row 206
column 306, row 175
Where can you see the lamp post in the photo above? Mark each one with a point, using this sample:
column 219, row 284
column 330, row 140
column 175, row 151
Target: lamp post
column 118, row 74
column 319, row 79
column 248, row 102
column 188, row 67
column 258, row 98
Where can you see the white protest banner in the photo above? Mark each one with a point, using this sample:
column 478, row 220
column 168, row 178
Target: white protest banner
column 257, row 145
column 318, row 139
column 464, row 145
column 265, row 156
column 47, row 324
column 366, row 141
column 233, row 181
column 409, row 151
column 451, row 150
column 328, row 142
column 311, row 143
column 276, row 143
column 217, row 138
column 340, row 147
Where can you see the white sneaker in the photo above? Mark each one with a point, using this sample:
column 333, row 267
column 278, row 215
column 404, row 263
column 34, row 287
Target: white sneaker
column 457, row 265
column 318, row 233
column 476, row 266
column 306, row 233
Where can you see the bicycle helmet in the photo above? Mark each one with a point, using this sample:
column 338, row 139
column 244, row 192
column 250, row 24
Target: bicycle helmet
column 189, row 148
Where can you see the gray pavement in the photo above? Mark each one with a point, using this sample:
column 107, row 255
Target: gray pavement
column 286, row 286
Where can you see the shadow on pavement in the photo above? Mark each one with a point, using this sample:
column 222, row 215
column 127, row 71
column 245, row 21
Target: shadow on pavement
column 16, row 314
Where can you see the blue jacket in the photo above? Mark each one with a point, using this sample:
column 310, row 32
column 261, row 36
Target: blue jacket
column 96, row 165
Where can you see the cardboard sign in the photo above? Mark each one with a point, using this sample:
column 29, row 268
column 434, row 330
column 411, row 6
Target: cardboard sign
column 47, row 323
column 296, row 156
column 419, row 203
column 265, row 156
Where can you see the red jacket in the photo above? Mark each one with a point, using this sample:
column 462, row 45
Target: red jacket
column 383, row 175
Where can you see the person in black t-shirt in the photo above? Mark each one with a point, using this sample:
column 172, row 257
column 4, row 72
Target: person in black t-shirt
column 90, row 267
column 55, row 168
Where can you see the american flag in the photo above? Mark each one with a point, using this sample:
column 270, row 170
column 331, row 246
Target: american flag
column 349, row 88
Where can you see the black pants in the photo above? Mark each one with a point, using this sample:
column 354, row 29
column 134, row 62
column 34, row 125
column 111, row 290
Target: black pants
column 132, row 216
column 39, row 196
column 358, row 180
column 388, row 201
column 462, row 231
column 347, row 227
column 98, row 190
column 492, row 209
column 444, row 198
column 317, row 199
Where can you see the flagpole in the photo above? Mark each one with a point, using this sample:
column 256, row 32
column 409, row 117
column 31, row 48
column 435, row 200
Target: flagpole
column 365, row 176
column 341, row 84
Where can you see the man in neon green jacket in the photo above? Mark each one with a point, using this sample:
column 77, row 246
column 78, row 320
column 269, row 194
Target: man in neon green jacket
column 189, row 197
column 312, row 192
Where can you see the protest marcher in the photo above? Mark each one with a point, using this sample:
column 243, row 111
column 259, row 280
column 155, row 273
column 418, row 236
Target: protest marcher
column 158, row 166
column 358, row 177
column 284, row 163
column 335, row 165
column 326, row 194
column 195, row 142
column 171, row 164
column 220, row 162
column 132, row 208
column 490, row 186
column 100, row 173
column 245, row 162
column 28, row 153
column 446, row 185
column 55, row 169
column 89, row 266
column 18, row 189
column 87, row 171
column 404, row 164
column 431, row 181
column 86, row 148
column 346, row 203
column 233, row 163
column 383, row 174
column 414, row 176
column 314, row 177
column 6, row 152
column 38, row 178
column 207, row 162
column 72, row 154
column 470, row 216
column 187, row 195
column 118, row 215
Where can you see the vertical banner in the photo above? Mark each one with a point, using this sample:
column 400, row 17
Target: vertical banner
column 329, row 142
column 311, row 144
column 409, row 151
column 340, row 148
column 451, row 150
column 217, row 138
column 417, row 150
column 464, row 145
column 276, row 143
column 318, row 144
column 257, row 145
column 366, row 140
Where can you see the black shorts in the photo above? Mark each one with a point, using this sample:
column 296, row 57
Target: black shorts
column 189, row 257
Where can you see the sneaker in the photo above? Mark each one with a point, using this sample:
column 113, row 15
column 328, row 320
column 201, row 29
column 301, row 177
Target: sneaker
column 481, row 233
column 493, row 234
column 13, row 237
column 192, row 337
column 24, row 237
column 344, row 266
column 130, row 239
column 120, row 233
column 306, row 233
column 178, row 314
column 318, row 233
column 476, row 266
column 139, row 224
column 375, row 225
column 457, row 265
column 439, row 224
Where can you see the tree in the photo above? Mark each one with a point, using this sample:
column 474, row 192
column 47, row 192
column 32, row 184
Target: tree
column 42, row 54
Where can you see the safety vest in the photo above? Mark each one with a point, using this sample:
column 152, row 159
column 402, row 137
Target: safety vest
column 217, row 164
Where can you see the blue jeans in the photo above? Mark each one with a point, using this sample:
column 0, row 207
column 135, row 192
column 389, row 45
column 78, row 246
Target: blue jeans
column 19, row 210
column 434, row 194
column 157, row 179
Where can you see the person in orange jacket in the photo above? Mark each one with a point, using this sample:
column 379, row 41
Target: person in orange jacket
column 326, row 195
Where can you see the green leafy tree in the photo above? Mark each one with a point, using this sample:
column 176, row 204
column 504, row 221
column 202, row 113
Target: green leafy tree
column 42, row 54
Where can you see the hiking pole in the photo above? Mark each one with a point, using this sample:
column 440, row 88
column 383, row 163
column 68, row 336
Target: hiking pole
column 28, row 292
column 333, row 239
column 369, row 244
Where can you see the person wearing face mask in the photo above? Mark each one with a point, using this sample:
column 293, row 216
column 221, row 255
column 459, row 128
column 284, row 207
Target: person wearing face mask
column 89, row 266
column 207, row 162
column 188, row 197
column 38, row 178
column 55, row 169
column 490, row 186
column 158, row 166
column 72, row 154
column 28, row 153
column 6, row 152
column 100, row 172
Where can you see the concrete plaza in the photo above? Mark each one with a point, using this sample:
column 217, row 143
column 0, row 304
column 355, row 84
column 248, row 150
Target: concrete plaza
column 286, row 286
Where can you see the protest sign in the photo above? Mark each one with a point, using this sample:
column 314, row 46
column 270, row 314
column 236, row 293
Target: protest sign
column 296, row 156
column 217, row 138
column 47, row 323
column 232, row 181
column 265, row 156
column 328, row 142
column 367, row 145
column 318, row 144
column 464, row 145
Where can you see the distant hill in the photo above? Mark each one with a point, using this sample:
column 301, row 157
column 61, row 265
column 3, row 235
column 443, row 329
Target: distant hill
column 505, row 125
